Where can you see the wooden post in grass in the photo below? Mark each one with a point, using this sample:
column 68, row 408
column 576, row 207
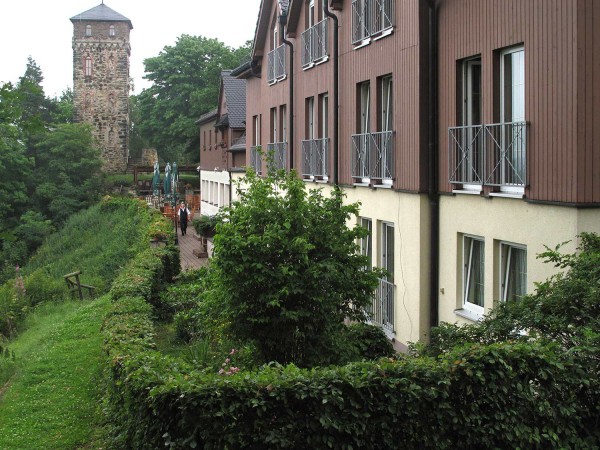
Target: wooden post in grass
column 75, row 285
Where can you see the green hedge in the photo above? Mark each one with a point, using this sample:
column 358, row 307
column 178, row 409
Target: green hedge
column 527, row 394
column 499, row 396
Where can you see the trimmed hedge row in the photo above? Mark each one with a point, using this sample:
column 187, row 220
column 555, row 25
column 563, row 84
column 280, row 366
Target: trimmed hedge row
column 508, row 395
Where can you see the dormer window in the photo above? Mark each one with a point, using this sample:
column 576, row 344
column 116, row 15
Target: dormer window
column 111, row 30
column 88, row 30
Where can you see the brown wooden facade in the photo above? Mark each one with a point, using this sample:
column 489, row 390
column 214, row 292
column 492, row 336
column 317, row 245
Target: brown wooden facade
column 562, row 86
column 497, row 98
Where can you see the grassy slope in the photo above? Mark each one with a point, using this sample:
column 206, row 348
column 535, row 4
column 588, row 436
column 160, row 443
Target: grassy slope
column 52, row 401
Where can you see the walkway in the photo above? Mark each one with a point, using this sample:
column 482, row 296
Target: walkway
column 187, row 244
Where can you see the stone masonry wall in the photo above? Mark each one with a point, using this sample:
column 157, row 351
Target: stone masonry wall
column 101, row 87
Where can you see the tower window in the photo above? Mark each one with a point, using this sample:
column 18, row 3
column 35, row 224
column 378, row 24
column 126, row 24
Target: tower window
column 111, row 30
column 88, row 30
column 87, row 66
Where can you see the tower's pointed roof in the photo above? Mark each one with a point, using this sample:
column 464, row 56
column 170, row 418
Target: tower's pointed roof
column 101, row 13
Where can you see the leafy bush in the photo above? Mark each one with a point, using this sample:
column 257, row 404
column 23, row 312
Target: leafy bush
column 564, row 309
column 527, row 391
column 362, row 341
column 288, row 270
column 205, row 225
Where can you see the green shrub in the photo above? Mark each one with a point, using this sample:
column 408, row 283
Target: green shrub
column 205, row 225
column 362, row 341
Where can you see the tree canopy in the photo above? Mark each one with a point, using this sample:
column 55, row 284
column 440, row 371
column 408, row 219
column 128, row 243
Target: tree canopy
column 48, row 166
column 186, row 79
column 287, row 268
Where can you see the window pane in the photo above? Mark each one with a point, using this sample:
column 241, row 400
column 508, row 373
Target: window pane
column 365, row 242
column 387, row 250
column 474, row 271
column 514, row 273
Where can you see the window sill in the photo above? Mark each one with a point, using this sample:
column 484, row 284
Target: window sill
column 383, row 186
column 361, row 184
column 308, row 66
column 469, row 315
column 362, row 43
column 466, row 191
column 515, row 195
column 383, row 34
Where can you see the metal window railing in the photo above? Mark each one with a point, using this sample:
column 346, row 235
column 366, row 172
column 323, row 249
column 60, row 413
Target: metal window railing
column 255, row 159
column 315, row 43
column 370, row 18
column 278, row 151
column 315, row 158
column 491, row 154
column 381, row 311
column 373, row 155
column 276, row 67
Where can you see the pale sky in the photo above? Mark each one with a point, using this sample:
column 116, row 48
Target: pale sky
column 42, row 29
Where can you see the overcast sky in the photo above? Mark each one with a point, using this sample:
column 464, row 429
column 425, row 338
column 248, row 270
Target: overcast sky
column 42, row 29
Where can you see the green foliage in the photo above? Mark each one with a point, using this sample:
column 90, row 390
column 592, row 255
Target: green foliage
column 564, row 309
column 528, row 392
column 361, row 341
column 15, row 165
column 97, row 241
column 67, row 169
column 52, row 400
column 205, row 225
column 186, row 79
column 287, row 268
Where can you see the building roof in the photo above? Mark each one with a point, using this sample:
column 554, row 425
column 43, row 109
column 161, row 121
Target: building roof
column 234, row 90
column 207, row 117
column 101, row 13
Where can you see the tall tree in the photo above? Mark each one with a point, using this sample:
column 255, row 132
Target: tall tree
column 15, row 166
column 67, row 171
column 186, row 80
column 287, row 268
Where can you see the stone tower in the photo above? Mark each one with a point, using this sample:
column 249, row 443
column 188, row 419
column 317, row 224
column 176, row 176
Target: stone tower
column 101, row 80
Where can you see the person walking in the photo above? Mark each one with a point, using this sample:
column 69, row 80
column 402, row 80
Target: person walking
column 183, row 212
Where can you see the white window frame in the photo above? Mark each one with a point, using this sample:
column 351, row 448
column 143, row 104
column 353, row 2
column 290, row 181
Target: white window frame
column 386, row 260
column 111, row 31
column 366, row 243
column 506, row 252
column 311, row 118
column 519, row 190
column 274, row 125
column 325, row 116
column 88, row 30
column 283, row 118
column 386, row 112
column 467, row 275
column 365, row 107
column 468, row 112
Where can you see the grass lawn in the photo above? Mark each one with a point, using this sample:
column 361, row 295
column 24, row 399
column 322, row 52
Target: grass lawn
column 52, row 401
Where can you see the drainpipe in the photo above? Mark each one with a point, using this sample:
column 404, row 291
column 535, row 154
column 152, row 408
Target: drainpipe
column 282, row 21
column 335, row 62
column 433, row 191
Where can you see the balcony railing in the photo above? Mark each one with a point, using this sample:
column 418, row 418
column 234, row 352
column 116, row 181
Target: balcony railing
column 373, row 156
column 315, row 44
column 381, row 311
column 315, row 158
column 493, row 155
column 255, row 159
column 371, row 18
column 278, row 150
column 276, row 64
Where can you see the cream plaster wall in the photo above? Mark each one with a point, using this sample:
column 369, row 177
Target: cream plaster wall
column 502, row 219
column 410, row 215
